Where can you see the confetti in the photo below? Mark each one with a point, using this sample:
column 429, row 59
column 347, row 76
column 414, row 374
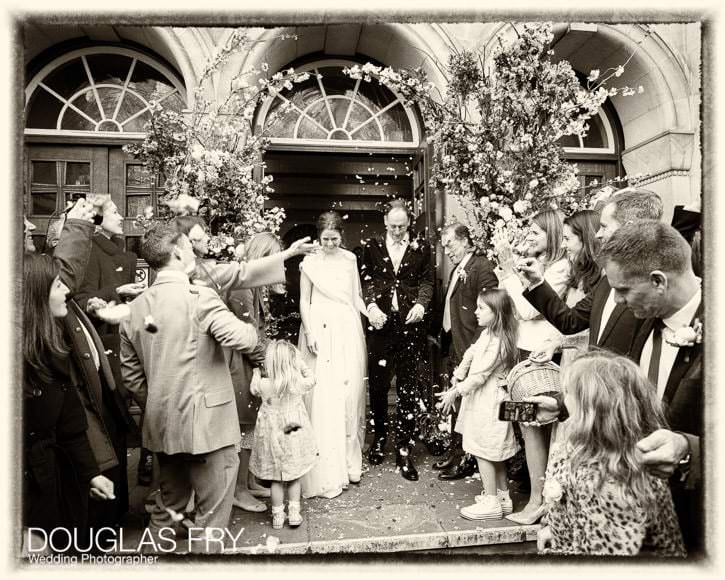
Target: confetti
column 382, row 362
column 149, row 324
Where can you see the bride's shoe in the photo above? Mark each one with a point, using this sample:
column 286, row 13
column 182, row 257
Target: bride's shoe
column 525, row 518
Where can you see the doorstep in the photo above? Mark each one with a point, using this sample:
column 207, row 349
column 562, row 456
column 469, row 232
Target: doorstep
column 383, row 513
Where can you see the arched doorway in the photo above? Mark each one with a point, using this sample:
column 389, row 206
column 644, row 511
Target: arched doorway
column 339, row 144
column 80, row 109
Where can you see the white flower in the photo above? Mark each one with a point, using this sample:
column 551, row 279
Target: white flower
column 505, row 212
column 533, row 183
column 197, row 152
column 520, row 206
column 552, row 490
column 414, row 245
column 593, row 75
column 685, row 336
column 265, row 67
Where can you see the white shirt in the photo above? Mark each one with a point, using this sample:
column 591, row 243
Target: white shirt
column 683, row 317
column 606, row 313
column 396, row 250
column 451, row 287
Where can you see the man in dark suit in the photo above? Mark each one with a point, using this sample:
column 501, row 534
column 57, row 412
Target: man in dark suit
column 650, row 270
column 610, row 325
column 471, row 274
column 397, row 282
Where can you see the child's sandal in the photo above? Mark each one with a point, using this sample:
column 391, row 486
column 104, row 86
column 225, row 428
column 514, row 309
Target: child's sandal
column 295, row 517
column 277, row 517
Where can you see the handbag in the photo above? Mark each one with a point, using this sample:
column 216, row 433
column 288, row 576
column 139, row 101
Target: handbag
column 529, row 378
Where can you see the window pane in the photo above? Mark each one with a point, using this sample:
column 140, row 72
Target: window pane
column 43, row 110
column 597, row 136
column 136, row 125
column 88, row 104
column 149, row 82
column 308, row 130
column 319, row 113
column 396, row 126
column 135, row 204
column 568, row 141
column 109, row 68
column 335, row 82
column 370, row 132
column 130, row 106
column 68, row 79
column 138, row 176
column 44, row 172
column 279, row 123
column 43, row 203
column 78, row 173
column 74, row 122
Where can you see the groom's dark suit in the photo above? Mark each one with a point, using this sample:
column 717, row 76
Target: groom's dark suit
column 397, row 347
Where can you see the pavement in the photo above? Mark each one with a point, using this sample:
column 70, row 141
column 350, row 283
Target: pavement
column 383, row 513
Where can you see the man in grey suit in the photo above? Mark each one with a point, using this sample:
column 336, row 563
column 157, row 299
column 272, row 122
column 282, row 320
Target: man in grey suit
column 173, row 363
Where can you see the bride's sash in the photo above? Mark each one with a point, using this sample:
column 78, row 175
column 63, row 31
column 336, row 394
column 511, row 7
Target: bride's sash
column 314, row 268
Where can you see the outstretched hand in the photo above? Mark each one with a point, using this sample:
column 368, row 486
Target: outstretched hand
column 504, row 252
column 300, row 247
column 447, row 399
column 662, row 452
column 547, row 410
column 531, row 269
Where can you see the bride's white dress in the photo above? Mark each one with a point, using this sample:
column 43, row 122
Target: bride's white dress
column 336, row 405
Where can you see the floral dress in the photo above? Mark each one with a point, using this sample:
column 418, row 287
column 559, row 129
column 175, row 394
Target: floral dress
column 284, row 447
column 586, row 519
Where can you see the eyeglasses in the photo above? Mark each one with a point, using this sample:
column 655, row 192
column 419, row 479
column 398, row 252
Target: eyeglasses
column 392, row 227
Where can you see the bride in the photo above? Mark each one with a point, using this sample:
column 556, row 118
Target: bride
column 333, row 343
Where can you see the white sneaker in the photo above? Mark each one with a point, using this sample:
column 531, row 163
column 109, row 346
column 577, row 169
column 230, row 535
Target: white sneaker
column 489, row 508
column 507, row 506
column 278, row 517
column 294, row 517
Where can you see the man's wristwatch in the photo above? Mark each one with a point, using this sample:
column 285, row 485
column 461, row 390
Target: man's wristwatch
column 682, row 471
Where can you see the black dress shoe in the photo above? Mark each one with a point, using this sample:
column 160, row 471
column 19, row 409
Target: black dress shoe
column 376, row 453
column 407, row 468
column 466, row 467
column 446, row 462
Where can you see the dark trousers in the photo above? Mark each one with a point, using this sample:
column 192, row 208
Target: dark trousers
column 688, row 507
column 395, row 349
column 456, row 446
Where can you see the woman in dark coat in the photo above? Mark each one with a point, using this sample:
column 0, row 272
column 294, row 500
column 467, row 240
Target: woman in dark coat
column 59, row 464
column 109, row 278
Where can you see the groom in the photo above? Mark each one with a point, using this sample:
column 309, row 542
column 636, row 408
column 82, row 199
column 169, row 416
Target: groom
column 397, row 288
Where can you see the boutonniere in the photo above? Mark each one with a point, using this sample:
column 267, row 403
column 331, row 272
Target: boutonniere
column 414, row 245
column 463, row 276
column 686, row 336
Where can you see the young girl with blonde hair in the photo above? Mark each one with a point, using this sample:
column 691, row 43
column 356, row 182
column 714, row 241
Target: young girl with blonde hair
column 600, row 500
column 284, row 446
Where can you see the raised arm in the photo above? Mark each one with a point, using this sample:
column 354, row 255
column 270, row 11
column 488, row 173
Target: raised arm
column 73, row 252
column 216, row 319
column 567, row 320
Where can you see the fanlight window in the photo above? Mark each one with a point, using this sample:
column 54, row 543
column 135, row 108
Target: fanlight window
column 598, row 139
column 330, row 106
column 105, row 89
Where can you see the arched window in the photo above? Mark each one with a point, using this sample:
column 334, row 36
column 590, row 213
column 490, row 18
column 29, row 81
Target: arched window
column 99, row 89
column 332, row 107
column 599, row 139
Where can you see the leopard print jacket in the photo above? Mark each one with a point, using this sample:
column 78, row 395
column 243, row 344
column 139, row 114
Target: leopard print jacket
column 584, row 519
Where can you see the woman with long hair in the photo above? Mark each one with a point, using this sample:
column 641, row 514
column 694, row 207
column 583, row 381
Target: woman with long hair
column 333, row 341
column 600, row 499
column 60, row 468
column 581, row 246
column 543, row 242
column 250, row 305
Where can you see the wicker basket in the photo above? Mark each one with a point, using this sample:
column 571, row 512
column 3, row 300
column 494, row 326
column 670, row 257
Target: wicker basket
column 528, row 378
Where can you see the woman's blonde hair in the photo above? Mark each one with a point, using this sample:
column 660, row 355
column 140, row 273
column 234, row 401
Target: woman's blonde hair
column 281, row 362
column 262, row 244
column 616, row 407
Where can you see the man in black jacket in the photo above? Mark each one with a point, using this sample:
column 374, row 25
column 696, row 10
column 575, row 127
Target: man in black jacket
column 650, row 269
column 397, row 282
column 470, row 275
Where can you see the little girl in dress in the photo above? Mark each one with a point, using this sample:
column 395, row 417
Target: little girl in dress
column 481, row 380
column 284, row 445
